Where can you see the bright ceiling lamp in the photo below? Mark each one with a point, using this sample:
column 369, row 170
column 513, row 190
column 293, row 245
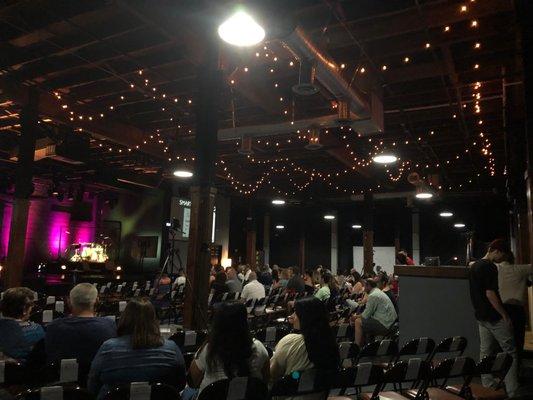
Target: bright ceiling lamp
column 459, row 225
column 278, row 202
column 385, row 158
column 329, row 216
column 280, row 227
column 356, row 226
column 182, row 173
column 241, row 30
column 446, row 214
column 423, row 194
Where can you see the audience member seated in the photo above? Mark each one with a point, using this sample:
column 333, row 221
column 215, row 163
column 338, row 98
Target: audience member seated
column 324, row 292
column 253, row 289
column 214, row 271
column 265, row 276
column 295, row 284
column 378, row 316
column 80, row 335
column 218, row 286
column 233, row 282
column 230, row 351
column 309, row 283
column 384, row 285
column 284, row 277
column 138, row 354
column 18, row 336
column 312, row 347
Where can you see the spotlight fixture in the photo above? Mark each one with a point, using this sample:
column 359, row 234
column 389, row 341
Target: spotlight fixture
column 182, row 173
column 459, row 225
column 446, row 214
column 385, row 158
column 241, row 30
column 278, row 202
column 63, row 267
column 329, row 216
column 280, row 227
column 356, row 226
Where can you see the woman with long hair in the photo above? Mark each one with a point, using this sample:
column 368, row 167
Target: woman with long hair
column 219, row 286
column 137, row 354
column 311, row 346
column 230, row 350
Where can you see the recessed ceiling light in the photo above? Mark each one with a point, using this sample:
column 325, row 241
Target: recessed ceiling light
column 356, row 226
column 329, row 216
column 459, row 225
column 182, row 173
column 446, row 214
column 280, row 226
column 241, row 30
column 424, row 195
column 385, row 158
column 278, row 202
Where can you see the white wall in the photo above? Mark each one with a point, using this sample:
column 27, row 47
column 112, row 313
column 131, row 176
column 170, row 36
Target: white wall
column 383, row 256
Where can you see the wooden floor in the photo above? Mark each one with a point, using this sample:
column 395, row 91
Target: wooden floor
column 528, row 345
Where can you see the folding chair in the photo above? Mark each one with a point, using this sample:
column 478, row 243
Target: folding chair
column 361, row 376
column 343, row 332
column 189, row 341
column 413, row 373
column 300, row 383
column 44, row 317
column 239, row 388
column 497, row 365
column 447, row 348
column 143, row 391
column 348, row 352
column 56, row 392
column 379, row 352
column 416, row 347
column 11, row 374
column 271, row 335
column 451, row 368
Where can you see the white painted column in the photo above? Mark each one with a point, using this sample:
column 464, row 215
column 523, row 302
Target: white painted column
column 334, row 246
column 222, row 222
column 416, row 235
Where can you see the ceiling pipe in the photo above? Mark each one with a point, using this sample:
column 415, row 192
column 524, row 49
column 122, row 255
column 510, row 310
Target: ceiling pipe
column 327, row 73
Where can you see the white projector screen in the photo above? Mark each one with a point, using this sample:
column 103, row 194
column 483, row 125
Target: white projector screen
column 383, row 256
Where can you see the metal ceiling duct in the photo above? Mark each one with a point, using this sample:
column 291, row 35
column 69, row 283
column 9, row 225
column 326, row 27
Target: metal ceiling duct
column 327, row 72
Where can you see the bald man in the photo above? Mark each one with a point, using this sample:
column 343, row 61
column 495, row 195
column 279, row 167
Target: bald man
column 253, row 289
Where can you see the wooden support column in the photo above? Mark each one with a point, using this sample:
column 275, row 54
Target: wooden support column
column 14, row 268
column 251, row 239
column 368, row 234
column 266, row 238
column 415, row 218
column 525, row 14
column 334, row 246
column 301, row 251
column 203, row 193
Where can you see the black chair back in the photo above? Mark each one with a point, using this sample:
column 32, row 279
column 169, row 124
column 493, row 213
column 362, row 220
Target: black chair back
column 13, row 374
column 358, row 377
column 449, row 347
column 498, row 365
column 454, row 368
column 69, row 393
column 417, row 347
column 378, row 351
column 348, row 352
column 343, row 332
column 413, row 373
column 189, row 341
column 158, row 391
column 300, row 383
column 239, row 388
column 271, row 335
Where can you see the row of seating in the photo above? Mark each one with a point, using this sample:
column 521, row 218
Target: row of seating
column 414, row 379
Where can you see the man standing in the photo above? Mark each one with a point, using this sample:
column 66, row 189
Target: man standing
column 80, row 335
column 493, row 322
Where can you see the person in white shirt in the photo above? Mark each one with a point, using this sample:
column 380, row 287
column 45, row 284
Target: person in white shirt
column 512, row 283
column 253, row 289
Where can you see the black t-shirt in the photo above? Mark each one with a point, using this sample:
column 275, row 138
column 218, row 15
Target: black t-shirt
column 296, row 284
column 483, row 276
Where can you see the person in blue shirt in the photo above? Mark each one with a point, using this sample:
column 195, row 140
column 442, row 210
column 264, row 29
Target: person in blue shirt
column 80, row 335
column 18, row 336
column 138, row 354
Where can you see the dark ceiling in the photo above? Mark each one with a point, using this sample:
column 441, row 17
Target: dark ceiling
column 118, row 78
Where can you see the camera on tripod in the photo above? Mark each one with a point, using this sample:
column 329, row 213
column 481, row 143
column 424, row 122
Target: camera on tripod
column 173, row 224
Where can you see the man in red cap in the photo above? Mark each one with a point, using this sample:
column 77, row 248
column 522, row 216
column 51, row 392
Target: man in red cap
column 493, row 321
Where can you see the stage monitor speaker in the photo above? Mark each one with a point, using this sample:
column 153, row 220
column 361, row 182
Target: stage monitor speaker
column 145, row 246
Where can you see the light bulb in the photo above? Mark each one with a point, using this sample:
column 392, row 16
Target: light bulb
column 241, row 30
